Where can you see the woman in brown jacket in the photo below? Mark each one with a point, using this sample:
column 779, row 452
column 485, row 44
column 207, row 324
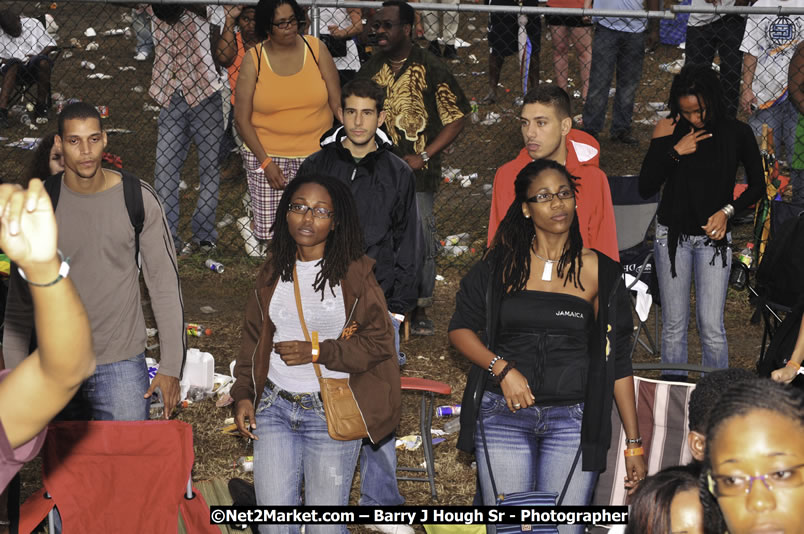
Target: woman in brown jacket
column 317, row 241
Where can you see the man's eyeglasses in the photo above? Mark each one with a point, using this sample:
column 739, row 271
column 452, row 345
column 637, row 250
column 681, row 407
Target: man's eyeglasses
column 318, row 213
column 736, row 485
column 564, row 194
column 384, row 24
column 285, row 24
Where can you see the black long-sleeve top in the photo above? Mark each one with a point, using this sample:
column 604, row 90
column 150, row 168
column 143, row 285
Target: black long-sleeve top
column 697, row 185
column 701, row 183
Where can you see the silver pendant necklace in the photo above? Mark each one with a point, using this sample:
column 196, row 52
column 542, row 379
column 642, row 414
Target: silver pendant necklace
column 547, row 274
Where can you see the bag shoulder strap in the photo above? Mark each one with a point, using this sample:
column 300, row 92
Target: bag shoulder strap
column 491, row 474
column 132, row 192
column 297, row 293
column 312, row 53
column 53, row 188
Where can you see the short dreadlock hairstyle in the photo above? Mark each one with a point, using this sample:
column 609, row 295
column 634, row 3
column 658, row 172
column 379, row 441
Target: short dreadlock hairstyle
column 516, row 233
column 344, row 242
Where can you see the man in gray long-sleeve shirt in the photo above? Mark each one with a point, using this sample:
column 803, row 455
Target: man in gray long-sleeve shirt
column 96, row 234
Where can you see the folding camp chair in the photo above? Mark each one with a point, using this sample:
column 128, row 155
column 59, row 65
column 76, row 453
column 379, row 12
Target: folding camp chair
column 662, row 413
column 428, row 390
column 25, row 86
column 634, row 217
column 118, row 476
column 773, row 312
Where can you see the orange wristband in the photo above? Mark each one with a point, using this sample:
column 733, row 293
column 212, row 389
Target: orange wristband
column 636, row 451
column 793, row 364
column 314, row 339
column 265, row 163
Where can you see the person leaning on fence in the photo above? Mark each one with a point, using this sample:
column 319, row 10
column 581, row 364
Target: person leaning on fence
column 33, row 393
column 546, row 126
column 618, row 45
column 95, row 231
column 768, row 46
column 24, row 48
column 795, row 81
column 694, row 154
column 708, row 33
column 317, row 251
column 753, row 470
column 504, row 42
column 554, row 353
column 185, row 84
column 287, row 94
column 425, row 112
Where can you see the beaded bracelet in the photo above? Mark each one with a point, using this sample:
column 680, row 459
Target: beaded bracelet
column 491, row 365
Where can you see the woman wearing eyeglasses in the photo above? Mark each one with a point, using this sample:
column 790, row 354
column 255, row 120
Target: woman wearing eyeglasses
column 317, row 244
column 287, row 94
column 556, row 323
column 754, row 463
column 694, row 155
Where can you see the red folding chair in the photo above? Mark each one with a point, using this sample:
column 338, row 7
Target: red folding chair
column 118, row 476
column 428, row 389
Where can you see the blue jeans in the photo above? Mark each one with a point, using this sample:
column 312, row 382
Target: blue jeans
column 424, row 202
column 179, row 124
column 723, row 36
column 694, row 256
column 378, row 486
column 782, row 119
column 113, row 393
column 623, row 51
column 142, row 28
column 294, row 447
column 532, row 450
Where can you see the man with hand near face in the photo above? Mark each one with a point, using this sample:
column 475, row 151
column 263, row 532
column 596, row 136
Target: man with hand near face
column 547, row 131
column 425, row 111
column 99, row 239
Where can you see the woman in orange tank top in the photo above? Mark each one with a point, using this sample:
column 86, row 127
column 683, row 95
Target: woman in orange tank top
column 287, row 94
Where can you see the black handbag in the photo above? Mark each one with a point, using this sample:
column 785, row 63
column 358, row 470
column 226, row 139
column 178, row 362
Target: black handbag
column 336, row 47
column 526, row 498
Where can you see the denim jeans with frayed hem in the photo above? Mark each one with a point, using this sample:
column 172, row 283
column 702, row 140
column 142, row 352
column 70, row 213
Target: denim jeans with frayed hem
column 294, row 447
column 695, row 256
column 532, row 450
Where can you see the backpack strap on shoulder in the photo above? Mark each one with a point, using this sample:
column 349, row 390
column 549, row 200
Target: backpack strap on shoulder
column 132, row 191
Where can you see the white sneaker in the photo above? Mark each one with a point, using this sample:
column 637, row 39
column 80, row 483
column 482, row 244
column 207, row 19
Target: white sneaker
column 140, row 56
column 392, row 529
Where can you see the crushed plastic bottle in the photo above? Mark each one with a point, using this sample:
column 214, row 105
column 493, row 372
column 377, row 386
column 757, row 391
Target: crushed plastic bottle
column 452, row 426
column 475, row 111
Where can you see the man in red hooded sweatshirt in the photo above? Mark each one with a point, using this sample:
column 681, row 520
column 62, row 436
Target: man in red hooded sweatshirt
column 547, row 132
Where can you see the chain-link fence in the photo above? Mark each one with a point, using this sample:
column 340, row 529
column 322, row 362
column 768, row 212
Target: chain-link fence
column 174, row 127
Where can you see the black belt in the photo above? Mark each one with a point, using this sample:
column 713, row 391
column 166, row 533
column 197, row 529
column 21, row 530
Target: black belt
column 298, row 398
